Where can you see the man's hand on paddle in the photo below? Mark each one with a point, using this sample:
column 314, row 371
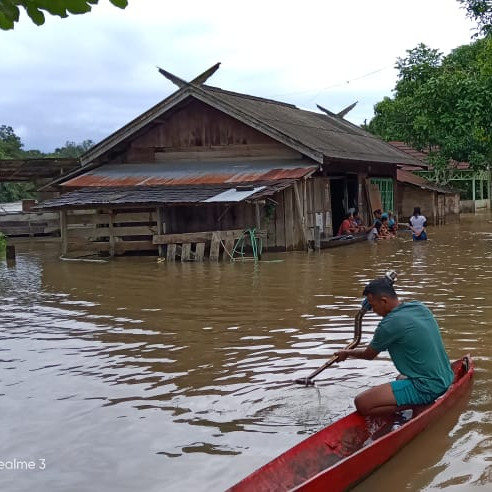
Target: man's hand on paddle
column 367, row 353
column 342, row 354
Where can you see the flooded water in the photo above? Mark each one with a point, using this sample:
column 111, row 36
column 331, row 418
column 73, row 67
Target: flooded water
column 138, row 375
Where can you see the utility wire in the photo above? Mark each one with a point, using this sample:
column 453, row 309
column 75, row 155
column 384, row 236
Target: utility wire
column 339, row 84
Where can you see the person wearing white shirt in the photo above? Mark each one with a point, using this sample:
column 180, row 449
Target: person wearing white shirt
column 418, row 223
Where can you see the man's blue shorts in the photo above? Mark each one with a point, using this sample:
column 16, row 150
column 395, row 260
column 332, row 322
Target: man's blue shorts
column 406, row 394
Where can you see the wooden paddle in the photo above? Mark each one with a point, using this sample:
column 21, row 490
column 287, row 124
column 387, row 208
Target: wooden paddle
column 308, row 381
column 365, row 307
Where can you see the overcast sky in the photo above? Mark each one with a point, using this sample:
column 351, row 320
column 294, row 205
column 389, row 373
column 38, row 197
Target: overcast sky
column 85, row 76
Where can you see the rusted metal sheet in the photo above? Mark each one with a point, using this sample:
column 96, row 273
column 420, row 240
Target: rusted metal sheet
column 423, row 155
column 416, row 154
column 111, row 197
column 193, row 173
column 410, row 178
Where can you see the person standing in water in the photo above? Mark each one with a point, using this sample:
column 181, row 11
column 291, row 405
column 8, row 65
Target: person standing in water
column 418, row 223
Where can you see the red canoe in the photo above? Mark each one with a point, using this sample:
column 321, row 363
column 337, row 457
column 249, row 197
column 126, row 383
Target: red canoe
column 345, row 452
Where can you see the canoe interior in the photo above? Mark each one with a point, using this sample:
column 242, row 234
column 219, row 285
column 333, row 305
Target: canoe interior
column 326, row 457
column 336, row 241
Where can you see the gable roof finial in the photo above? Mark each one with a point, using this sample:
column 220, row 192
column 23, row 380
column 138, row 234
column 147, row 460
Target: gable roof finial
column 341, row 114
column 327, row 111
column 199, row 80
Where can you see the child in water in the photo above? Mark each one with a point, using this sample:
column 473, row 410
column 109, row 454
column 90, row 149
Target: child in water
column 392, row 225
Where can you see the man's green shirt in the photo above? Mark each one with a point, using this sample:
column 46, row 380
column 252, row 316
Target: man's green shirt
column 411, row 335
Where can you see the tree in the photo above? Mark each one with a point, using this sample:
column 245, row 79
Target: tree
column 481, row 12
column 73, row 149
column 9, row 9
column 13, row 192
column 11, row 148
column 10, row 143
column 442, row 104
column 421, row 64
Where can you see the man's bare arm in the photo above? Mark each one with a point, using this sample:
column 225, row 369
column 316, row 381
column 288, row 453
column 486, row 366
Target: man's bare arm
column 367, row 353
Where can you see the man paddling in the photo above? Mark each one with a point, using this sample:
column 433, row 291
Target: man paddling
column 411, row 335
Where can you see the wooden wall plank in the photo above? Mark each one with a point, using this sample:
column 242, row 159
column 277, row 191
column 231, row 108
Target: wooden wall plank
column 92, row 246
column 135, row 231
column 200, row 251
column 122, row 217
column 87, row 219
column 229, row 244
column 289, row 219
column 374, row 196
column 125, row 246
column 129, row 217
column 63, row 232
column 299, row 211
column 280, row 221
column 230, row 152
column 88, row 232
column 112, row 237
column 214, row 247
column 185, row 252
column 29, row 217
column 171, row 252
column 270, row 241
column 199, row 131
column 160, row 229
column 194, row 237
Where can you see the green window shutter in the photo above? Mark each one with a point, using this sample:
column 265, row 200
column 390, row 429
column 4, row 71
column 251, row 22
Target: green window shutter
column 385, row 186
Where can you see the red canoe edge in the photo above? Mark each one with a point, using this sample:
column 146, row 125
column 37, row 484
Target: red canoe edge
column 343, row 453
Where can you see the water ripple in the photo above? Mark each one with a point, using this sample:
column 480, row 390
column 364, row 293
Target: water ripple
column 129, row 368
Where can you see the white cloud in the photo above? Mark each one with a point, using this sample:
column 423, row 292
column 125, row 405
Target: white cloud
column 85, row 76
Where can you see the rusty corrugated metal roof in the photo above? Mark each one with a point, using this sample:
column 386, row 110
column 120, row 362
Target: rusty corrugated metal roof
column 144, row 196
column 417, row 154
column 191, row 173
column 422, row 156
column 410, row 178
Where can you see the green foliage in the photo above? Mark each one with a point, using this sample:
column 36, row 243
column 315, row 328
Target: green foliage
column 35, row 9
column 420, row 65
column 11, row 148
column 442, row 104
column 3, row 243
column 10, row 143
column 13, row 192
column 73, row 149
column 481, row 12
column 391, row 119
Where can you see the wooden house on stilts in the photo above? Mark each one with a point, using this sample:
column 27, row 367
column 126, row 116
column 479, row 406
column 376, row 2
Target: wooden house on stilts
column 189, row 177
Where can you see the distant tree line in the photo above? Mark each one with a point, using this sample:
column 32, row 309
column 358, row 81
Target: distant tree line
column 11, row 147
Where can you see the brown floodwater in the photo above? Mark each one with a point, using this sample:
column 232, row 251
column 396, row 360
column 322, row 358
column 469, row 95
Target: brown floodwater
column 135, row 374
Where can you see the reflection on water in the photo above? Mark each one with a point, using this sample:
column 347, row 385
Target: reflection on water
column 133, row 374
